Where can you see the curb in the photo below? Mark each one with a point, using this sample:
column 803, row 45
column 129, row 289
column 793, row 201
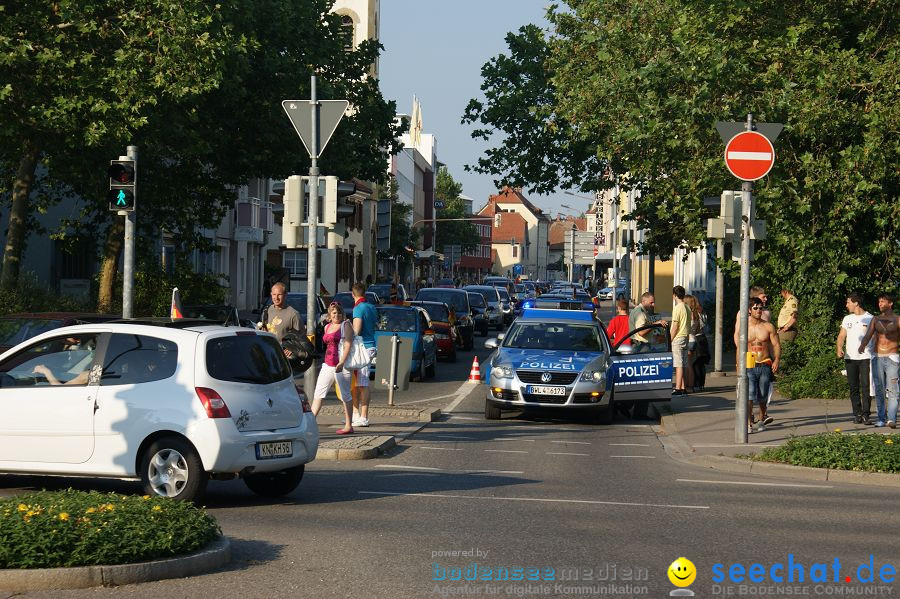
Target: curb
column 413, row 414
column 212, row 557
column 678, row 449
column 360, row 447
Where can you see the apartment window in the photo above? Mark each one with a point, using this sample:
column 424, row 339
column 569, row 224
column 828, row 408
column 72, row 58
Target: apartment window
column 347, row 31
column 515, row 249
column 295, row 263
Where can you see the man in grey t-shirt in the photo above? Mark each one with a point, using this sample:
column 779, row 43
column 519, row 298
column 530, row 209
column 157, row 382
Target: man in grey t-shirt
column 280, row 317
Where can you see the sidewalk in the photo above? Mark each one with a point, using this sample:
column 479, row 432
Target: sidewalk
column 700, row 429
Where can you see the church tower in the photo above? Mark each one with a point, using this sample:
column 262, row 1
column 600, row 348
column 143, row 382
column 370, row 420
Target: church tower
column 361, row 18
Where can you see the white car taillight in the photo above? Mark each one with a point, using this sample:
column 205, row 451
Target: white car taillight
column 213, row 403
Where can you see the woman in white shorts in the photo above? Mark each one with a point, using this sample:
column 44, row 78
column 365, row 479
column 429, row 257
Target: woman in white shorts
column 338, row 331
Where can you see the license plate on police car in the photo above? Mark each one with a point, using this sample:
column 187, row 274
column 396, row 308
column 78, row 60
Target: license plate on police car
column 539, row 390
column 274, row 449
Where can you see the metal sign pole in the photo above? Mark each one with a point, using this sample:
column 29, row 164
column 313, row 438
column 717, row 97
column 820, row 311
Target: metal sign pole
column 309, row 378
column 720, row 305
column 741, row 415
column 395, row 347
column 128, row 257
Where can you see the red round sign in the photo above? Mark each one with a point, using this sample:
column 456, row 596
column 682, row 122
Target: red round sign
column 749, row 155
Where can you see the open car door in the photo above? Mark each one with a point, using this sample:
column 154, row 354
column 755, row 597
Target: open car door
column 642, row 365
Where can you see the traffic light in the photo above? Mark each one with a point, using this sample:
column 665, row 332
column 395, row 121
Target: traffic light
column 335, row 205
column 383, row 236
column 295, row 190
column 122, row 178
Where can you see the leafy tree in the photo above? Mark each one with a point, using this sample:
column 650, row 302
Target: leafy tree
column 219, row 125
column 78, row 74
column 644, row 83
column 461, row 233
column 541, row 150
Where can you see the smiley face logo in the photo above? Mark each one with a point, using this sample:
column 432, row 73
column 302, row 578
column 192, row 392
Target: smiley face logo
column 682, row 572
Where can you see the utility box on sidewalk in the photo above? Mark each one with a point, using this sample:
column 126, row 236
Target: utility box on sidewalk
column 383, row 362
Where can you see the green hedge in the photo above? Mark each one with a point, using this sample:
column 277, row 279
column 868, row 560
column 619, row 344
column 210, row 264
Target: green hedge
column 50, row 529
column 871, row 452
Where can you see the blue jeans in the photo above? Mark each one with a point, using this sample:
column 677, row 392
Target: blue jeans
column 885, row 371
column 760, row 379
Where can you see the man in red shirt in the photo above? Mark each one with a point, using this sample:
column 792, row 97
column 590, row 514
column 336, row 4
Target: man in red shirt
column 618, row 325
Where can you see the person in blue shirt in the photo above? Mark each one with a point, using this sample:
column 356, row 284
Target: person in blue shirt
column 364, row 317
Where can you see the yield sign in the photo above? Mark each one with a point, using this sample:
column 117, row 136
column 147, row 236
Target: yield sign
column 330, row 114
column 749, row 155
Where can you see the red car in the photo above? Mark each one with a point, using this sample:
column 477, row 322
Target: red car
column 443, row 321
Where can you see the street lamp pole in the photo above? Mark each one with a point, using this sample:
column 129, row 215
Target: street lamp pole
column 572, row 255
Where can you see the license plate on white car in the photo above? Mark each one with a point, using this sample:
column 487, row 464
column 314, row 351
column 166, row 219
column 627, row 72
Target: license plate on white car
column 275, row 449
column 539, row 390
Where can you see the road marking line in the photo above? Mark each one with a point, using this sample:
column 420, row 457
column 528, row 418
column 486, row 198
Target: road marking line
column 440, row 448
column 534, row 499
column 430, row 469
column 738, row 482
column 512, row 439
column 562, row 453
column 463, row 392
column 573, row 442
column 505, row 451
column 455, row 417
column 453, row 437
column 651, row 457
column 631, row 444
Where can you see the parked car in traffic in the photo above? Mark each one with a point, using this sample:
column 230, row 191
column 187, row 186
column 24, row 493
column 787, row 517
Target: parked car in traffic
column 16, row 328
column 457, row 299
column 479, row 312
column 492, row 299
column 383, row 291
column 170, row 403
column 446, row 284
column 347, row 301
column 412, row 323
column 507, row 305
column 444, row 322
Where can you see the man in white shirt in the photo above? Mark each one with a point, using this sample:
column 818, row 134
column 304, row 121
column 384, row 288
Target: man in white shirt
column 853, row 330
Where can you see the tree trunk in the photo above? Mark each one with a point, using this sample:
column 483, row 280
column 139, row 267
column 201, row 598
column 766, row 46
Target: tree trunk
column 18, row 218
column 110, row 265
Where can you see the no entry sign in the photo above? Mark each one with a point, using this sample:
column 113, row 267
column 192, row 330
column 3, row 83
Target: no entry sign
column 749, row 156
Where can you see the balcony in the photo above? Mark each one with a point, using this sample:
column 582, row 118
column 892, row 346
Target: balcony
column 252, row 217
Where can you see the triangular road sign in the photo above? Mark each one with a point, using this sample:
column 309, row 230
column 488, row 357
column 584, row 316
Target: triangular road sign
column 330, row 114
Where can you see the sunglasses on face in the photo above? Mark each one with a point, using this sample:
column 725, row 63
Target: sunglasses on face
column 756, row 308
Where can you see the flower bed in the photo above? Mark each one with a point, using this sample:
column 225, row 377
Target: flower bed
column 871, row 452
column 50, row 529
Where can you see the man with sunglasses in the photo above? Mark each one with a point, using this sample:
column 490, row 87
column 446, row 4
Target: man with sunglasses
column 763, row 355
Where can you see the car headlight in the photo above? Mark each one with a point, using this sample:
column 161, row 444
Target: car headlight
column 592, row 376
column 502, row 372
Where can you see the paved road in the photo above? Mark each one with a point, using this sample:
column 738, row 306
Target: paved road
column 528, row 491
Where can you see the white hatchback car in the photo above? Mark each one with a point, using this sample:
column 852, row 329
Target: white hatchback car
column 172, row 403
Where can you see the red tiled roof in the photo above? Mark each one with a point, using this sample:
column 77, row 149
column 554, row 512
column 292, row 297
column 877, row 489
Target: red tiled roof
column 559, row 227
column 513, row 195
column 512, row 226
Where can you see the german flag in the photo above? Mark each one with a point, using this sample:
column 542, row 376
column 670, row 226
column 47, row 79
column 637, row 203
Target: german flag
column 176, row 311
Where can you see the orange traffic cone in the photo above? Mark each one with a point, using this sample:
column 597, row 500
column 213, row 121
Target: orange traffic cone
column 475, row 373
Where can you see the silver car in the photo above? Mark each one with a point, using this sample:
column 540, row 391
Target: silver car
column 491, row 297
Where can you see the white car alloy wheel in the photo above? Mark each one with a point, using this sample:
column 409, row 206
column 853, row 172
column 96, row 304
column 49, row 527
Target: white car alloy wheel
column 172, row 468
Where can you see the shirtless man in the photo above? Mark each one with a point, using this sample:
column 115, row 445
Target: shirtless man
column 763, row 345
column 886, row 363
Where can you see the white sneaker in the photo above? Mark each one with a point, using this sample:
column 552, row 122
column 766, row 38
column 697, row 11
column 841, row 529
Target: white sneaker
column 361, row 422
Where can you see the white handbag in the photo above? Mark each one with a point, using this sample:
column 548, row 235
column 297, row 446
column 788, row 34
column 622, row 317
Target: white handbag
column 359, row 355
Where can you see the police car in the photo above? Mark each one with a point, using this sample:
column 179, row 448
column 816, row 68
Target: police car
column 557, row 358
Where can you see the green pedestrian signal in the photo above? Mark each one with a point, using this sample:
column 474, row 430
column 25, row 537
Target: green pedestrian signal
column 122, row 179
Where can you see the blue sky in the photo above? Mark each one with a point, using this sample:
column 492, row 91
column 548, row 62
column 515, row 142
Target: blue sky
column 434, row 49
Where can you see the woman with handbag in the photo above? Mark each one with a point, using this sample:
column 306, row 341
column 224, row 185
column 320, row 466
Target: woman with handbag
column 338, row 339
